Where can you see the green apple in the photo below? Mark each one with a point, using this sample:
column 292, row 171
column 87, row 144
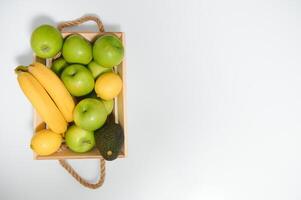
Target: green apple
column 109, row 105
column 108, row 51
column 79, row 140
column 59, row 65
column 96, row 69
column 46, row 41
column 90, row 114
column 76, row 49
column 78, row 80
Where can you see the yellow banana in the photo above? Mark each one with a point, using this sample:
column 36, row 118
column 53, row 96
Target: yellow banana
column 41, row 101
column 55, row 88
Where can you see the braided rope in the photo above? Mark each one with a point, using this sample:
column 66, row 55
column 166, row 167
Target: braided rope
column 81, row 20
column 81, row 180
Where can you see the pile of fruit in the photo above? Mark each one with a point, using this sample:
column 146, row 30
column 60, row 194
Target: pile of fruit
column 75, row 97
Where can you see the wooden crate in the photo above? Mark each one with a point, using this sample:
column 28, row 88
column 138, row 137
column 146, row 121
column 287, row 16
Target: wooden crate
column 119, row 107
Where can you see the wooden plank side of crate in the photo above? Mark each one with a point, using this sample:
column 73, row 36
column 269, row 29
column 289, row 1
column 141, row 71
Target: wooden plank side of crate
column 122, row 99
column 119, row 108
column 65, row 153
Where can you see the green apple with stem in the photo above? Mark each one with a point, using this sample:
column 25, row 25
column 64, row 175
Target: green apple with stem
column 90, row 114
column 79, row 140
column 97, row 69
column 78, row 80
column 108, row 51
column 76, row 49
column 58, row 65
column 46, row 41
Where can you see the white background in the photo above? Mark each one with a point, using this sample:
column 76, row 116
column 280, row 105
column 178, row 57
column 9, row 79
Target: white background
column 214, row 101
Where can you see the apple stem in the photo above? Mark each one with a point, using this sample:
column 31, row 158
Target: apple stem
column 21, row 68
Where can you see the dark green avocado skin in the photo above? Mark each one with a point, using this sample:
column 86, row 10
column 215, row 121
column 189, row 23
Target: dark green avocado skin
column 109, row 138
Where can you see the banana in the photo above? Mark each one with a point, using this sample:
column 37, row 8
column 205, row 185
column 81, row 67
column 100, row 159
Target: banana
column 55, row 88
column 41, row 101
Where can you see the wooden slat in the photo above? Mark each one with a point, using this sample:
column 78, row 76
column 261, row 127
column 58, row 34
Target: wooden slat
column 121, row 102
column 68, row 154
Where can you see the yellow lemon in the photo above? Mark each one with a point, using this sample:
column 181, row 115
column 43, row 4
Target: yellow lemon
column 108, row 86
column 46, row 142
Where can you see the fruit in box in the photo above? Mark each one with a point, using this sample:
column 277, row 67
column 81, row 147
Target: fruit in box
column 90, row 114
column 51, row 96
column 58, row 66
column 76, row 49
column 109, row 104
column 108, row 86
column 45, row 142
column 108, row 51
column 78, row 80
column 55, row 88
column 109, row 140
column 97, row 69
column 79, row 140
column 46, row 41
column 41, row 100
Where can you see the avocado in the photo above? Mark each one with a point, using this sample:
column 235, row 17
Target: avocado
column 109, row 140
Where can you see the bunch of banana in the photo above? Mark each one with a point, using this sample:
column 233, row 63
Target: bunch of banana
column 47, row 94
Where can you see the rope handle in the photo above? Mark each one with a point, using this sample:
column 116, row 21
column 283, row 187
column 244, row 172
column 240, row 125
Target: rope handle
column 81, row 180
column 81, row 20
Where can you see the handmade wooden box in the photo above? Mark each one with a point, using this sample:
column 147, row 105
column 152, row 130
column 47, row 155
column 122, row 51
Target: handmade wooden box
column 119, row 107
